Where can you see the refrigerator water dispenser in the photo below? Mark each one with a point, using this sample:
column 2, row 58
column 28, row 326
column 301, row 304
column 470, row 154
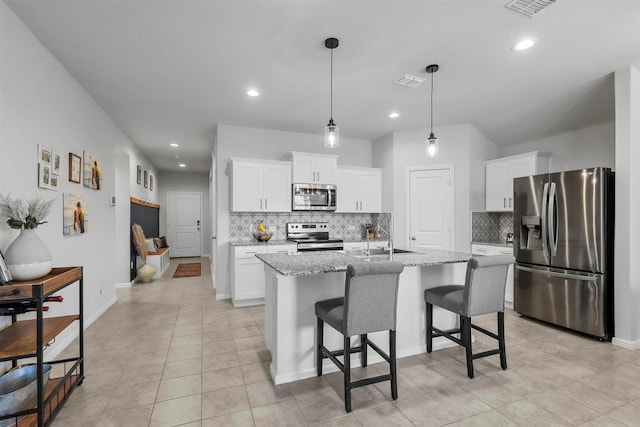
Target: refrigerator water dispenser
column 530, row 233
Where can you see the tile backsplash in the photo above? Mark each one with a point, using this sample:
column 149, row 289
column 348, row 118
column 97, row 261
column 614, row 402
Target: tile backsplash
column 491, row 227
column 341, row 225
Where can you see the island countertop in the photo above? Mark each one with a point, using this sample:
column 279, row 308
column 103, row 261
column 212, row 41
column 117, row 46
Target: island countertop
column 309, row 263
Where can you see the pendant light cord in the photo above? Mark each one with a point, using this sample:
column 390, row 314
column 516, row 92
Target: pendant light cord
column 432, row 102
column 331, row 86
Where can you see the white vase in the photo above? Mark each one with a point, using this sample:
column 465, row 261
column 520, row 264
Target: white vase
column 27, row 257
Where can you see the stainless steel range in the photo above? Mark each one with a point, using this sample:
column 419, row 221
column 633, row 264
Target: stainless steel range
column 312, row 236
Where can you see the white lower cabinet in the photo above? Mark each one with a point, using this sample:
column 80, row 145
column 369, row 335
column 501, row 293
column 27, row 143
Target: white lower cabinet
column 247, row 276
column 477, row 249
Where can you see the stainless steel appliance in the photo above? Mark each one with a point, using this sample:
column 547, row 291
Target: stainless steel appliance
column 312, row 236
column 563, row 244
column 313, row 197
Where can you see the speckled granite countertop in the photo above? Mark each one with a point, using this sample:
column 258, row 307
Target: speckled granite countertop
column 501, row 244
column 308, row 263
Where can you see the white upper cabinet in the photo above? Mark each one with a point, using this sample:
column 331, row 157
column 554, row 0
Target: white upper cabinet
column 260, row 186
column 359, row 190
column 314, row 168
column 499, row 174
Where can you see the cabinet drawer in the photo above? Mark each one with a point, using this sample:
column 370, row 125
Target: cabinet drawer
column 248, row 251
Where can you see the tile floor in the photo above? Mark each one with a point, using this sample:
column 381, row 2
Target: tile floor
column 167, row 354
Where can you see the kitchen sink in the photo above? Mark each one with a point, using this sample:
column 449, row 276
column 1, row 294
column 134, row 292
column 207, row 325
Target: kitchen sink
column 362, row 253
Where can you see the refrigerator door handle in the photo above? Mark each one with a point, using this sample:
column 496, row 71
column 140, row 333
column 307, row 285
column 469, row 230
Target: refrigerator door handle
column 543, row 221
column 552, row 220
column 556, row 274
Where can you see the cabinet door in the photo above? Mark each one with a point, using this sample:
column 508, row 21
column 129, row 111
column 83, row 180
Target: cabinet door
column 518, row 168
column 325, row 170
column 370, row 191
column 276, row 183
column 497, row 175
column 347, row 200
column 246, row 192
column 304, row 169
column 508, row 293
column 249, row 279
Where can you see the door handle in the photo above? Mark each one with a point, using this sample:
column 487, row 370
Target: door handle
column 198, row 222
column 413, row 237
column 556, row 274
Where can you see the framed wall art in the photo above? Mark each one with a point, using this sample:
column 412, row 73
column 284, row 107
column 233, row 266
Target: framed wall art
column 92, row 177
column 139, row 175
column 56, row 164
column 151, row 182
column 53, row 182
column 75, row 168
column 75, row 217
column 44, row 155
column 44, row 175
column 146, row 179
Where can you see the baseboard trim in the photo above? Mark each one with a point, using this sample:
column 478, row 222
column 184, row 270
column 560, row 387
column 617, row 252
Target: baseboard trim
column 631, row 345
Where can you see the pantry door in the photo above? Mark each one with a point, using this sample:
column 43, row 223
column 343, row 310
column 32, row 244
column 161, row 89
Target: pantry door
column 184, row 224
column 430, row 208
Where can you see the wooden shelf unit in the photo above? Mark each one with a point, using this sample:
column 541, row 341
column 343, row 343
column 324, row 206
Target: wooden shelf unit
column 27, row 339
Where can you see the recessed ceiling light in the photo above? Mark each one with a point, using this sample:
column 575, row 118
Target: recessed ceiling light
column 393, row 115
column 524, row 44
column 174, row 144
column 182, row 165
column 253, row 92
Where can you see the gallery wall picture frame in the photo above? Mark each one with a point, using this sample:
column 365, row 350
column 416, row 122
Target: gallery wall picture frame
column 53, row 183
column 75, row 214
column 44, row 154
column 44, row 175
column 92, row 171
column 146, row 179
column 75, row 168
column 139, row 174
column 56, row 163
column 151, row 182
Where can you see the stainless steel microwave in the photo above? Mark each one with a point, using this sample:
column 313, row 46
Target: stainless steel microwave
column 313, row 197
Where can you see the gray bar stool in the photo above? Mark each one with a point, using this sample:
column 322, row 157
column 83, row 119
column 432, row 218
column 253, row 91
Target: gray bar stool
column 369, row 305
column 482, row 293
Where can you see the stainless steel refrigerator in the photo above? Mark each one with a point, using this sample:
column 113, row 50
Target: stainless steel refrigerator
column 563, row 245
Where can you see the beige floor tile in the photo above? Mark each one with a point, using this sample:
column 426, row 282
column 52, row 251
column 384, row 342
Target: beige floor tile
column 382, row 416
column 138, row 416
column 629, row 415
column 186, row 352
column 177, row 411
column 222, row 378
column 282, row 414
column 491, row 418
column 213, row 362
column 526, row 413
column 266, row 392
column 182, row 368
column 179, row 387
column 256, row 372
column 225, row 401
column 130, row 396
column 237, row 419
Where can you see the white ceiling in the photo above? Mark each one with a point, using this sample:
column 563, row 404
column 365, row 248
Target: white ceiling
column 172, row 70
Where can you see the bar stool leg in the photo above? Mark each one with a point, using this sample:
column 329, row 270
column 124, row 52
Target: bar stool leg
column 465, row 329
column 429, row 338
column 320, row 343
column 347, row 374
column 392, row 363
column 363, row 355
column 501, row 343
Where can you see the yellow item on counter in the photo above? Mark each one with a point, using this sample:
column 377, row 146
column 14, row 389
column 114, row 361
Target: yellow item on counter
column 261, row 227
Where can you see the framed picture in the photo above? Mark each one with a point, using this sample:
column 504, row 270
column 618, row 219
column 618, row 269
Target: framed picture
column 56, row 164
column 53, row 183
column 5, row 275
column 139, row 175
column 44, row 155
column 146, row 179
column 44, row 175
column 75, row 167
column 75, row 216
column 92, row 171
column 151, row 182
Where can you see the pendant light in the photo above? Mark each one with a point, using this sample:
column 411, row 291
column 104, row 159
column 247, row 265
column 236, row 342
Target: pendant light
column 331, row 131
column 432, row 142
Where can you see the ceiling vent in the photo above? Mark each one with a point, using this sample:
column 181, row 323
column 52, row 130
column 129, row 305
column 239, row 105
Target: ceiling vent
column 409, row 81
column 529, row 7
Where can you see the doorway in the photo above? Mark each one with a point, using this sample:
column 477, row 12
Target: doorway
column 184, row 223
column 430, row 208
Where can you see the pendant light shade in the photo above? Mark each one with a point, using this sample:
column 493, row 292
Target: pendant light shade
column 331, row 130
column 431, row 148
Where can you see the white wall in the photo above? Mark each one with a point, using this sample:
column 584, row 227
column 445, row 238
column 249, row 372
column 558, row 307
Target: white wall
column 627, row 250
column 236, row 141
column 41, row 103
column 587, row 147
column 383, row 158
column 455, row 148
column 192, row 183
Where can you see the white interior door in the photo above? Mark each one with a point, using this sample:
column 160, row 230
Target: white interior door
column 184, row 224
column 430, row 209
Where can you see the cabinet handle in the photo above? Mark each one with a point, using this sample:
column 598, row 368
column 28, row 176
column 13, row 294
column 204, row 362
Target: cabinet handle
column 504, row 202
column 356, row 205
column 360, row 204
column 266, row 204
column 510, row 202
column 261, row 203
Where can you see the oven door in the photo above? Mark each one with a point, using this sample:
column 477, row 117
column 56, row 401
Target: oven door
column 313, row 197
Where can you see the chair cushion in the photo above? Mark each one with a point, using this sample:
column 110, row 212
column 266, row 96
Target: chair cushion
column 449, row 297
column 331, row 311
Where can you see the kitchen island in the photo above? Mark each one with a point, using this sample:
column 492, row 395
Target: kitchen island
column 294, row 283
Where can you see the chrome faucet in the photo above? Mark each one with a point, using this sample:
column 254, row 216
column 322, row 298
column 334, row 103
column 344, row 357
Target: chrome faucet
column 389, row 231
